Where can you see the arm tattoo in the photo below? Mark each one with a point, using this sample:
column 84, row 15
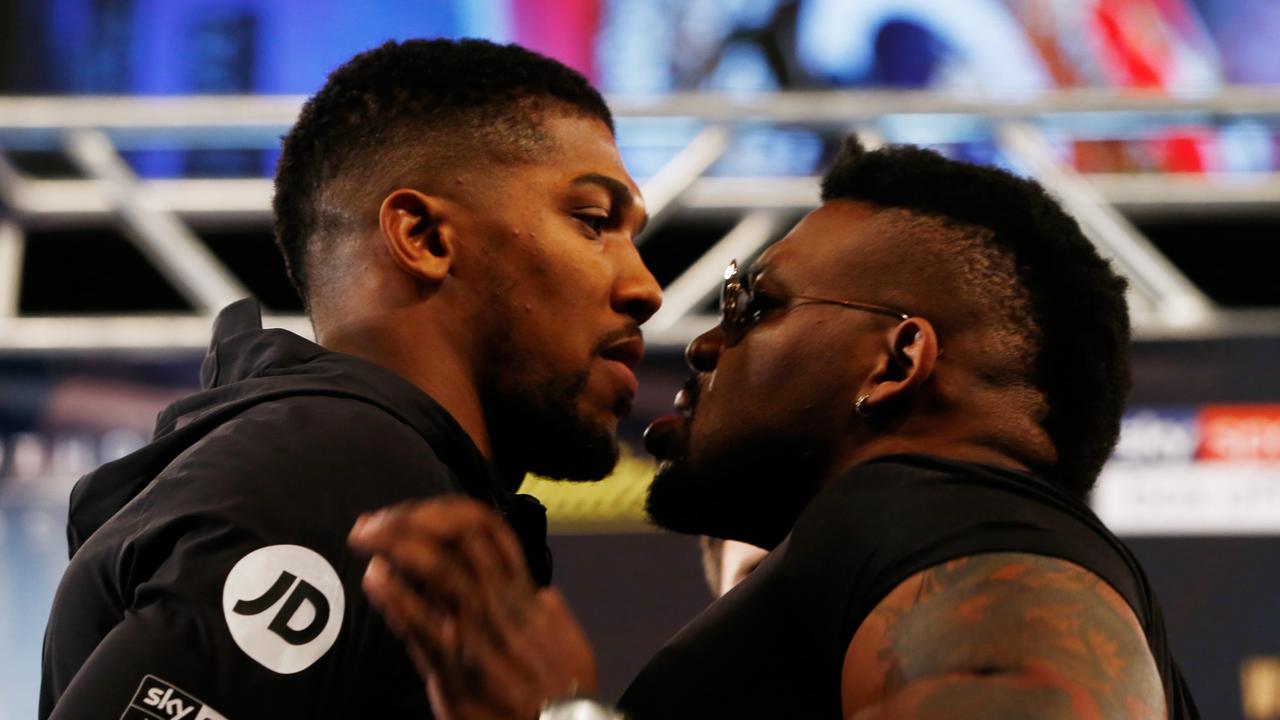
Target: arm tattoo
column 1007, row 634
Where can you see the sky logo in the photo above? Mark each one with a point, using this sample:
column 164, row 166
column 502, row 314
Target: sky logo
column 1152, row 435
column 159, row 700
column 1243, row 433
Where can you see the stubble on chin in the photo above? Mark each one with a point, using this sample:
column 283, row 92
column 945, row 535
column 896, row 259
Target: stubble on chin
column 536, row 421
column 753, row 495
column 541, row 428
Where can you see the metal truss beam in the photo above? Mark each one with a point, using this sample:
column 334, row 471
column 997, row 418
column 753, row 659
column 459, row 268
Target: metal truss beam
column 162, row 237
column 12, row 244
column 122, row 333
column 158, row 214
column 144, row 117
column 701, row 281
column 208, row 201
column 681, row 172
column 187, row 333
column 1172, row 297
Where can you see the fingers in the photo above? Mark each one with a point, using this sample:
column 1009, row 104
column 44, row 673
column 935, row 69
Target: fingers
column 457, row 553
column 408, row 614
column 446, row 648
column 451, row 579
column 457, row 528
column 447, row 558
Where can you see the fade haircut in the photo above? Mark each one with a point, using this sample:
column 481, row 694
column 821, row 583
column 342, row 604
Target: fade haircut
column 392, row 116
column 1025, row 254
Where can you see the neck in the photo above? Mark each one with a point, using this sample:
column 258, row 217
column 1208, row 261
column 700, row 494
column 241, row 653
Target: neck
column 1017, row 443
column 950, row 451
column 383, row 340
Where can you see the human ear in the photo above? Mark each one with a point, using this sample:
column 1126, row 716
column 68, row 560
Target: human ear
column 912, row 355
column 417, row 233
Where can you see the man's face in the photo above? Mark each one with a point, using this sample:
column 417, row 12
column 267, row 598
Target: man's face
column 760, row 422
column 566, row 292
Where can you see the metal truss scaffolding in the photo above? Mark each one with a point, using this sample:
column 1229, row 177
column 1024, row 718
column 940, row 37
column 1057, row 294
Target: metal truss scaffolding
column 157, row 215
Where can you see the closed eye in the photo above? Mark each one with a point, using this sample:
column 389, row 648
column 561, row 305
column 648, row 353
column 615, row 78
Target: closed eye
column 762, row 304
column 594, row 223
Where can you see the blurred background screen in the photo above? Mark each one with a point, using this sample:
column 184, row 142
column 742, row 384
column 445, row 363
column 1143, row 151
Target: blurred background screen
column 1154, row 121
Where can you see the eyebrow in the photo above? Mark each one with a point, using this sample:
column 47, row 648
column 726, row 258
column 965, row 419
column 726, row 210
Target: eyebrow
column 756, row 270
column 617, row 190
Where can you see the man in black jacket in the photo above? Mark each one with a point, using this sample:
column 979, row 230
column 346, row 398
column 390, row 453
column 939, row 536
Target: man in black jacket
column 459, row 223
column 906, row 399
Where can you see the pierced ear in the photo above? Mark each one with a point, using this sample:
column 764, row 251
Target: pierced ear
column 416, row 235
column 912, row 356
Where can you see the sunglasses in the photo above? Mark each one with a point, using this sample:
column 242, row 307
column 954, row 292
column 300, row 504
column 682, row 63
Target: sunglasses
column 742, row 306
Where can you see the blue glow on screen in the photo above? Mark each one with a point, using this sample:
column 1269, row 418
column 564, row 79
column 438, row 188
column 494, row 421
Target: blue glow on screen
column 639, row 46
column 166, row 47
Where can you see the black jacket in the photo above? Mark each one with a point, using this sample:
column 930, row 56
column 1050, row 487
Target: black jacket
column 210, row 575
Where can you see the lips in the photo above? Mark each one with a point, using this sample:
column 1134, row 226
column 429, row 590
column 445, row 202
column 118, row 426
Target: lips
column 621, row 356
column 628, row 350
column 665, row 438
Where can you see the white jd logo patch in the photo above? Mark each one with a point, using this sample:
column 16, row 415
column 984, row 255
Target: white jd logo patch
column 284, row 606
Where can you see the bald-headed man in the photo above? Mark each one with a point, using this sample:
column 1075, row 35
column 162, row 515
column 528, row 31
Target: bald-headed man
column 459, row 224
column 906, row 399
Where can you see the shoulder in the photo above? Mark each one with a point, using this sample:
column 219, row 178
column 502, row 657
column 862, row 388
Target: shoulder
column 298, row 470
column 316, row 423
column 240, row 543
column 1047, row 627
column 314, row 445
column 893, row 519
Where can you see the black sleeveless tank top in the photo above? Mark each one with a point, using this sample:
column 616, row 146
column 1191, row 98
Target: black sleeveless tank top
column 774, row 647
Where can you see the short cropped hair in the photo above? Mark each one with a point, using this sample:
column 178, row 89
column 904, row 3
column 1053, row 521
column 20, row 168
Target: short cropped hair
column 1075, row 319
column 458, row 101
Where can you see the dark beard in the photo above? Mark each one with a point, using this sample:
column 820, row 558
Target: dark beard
column 537, row 427
column 754, row 496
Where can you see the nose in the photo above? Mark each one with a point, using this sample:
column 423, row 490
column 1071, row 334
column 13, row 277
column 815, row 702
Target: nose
column 703, row 352
column 637, row 292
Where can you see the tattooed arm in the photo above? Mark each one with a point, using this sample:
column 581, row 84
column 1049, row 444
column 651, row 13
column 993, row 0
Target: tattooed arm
column 1001, row 635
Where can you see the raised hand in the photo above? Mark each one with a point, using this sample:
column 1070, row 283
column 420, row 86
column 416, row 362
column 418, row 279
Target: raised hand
column 450, row 579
